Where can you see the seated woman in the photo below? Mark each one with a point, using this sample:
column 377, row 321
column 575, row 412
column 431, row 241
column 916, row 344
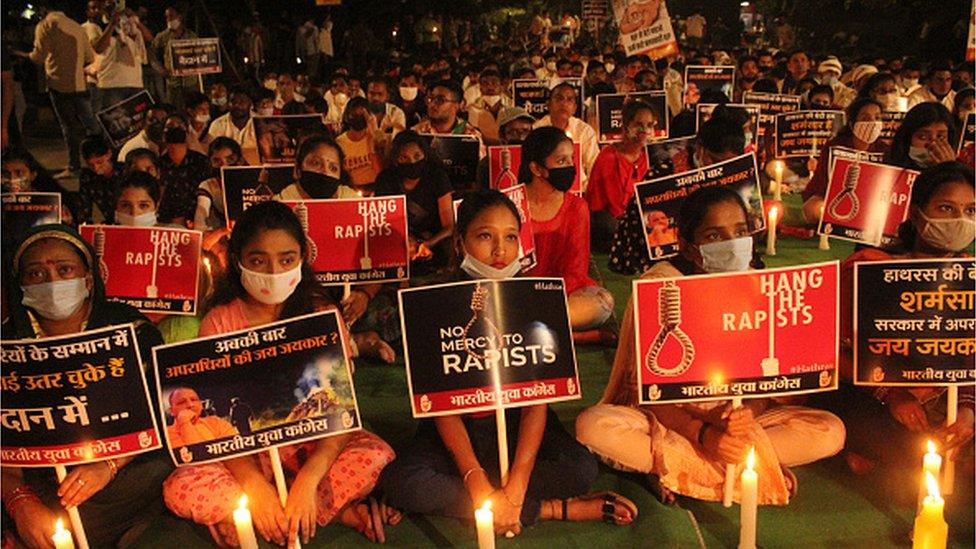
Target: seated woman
column 209, row 215
column 615, row 171
column 861, row 133
column 137, row 200
column 269, row 279
column 451, row 464
column 685, row 446
column 926, row 137
column 142, row 160
column 360, row 146
column 890, row 426
column 430, row 211
column 55, row 289
column 22, row 173
column 561, row 222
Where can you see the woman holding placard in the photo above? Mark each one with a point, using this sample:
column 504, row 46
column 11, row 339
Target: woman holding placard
column 889, row 426
column 926, row 137
column 56, row 289
column 685, row 447
column 561, row 222
column 269, row 279
column 451, row 466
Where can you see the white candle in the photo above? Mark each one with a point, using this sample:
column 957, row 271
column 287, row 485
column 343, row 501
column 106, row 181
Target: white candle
column 931, row 464
column 244, row 526
column 771, row 231
column 778, row 187
column 931, row 530
column 62, row 538
column 485, row 521
column 748, row 497
column 824, row 242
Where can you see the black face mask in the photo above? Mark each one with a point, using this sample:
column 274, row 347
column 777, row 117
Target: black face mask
column 318, row 185
column 411, row 170
column 357, row 123
column 377, row 108
column 562, row 179
column 154, row 131
column 175, row 135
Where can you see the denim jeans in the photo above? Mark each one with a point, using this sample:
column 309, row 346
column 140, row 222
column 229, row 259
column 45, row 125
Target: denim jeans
column 74, row 112
column 425, row 479
column 110, row 96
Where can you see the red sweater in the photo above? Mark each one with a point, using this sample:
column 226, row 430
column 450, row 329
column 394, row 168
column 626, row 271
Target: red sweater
column 612, row 180
column 562, row 245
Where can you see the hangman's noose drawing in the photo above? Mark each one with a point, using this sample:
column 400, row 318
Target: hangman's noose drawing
column 669, row 316
column 99, row 244
column 479, row 300
column 301, row 212
column 850, row 186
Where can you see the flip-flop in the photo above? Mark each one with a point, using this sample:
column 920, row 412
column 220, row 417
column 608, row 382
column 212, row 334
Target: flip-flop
column 610, row 501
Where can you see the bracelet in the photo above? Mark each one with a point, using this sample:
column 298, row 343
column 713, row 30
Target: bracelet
column 464, row 479
column 112, row 467
column 701, row 433
column 20, row 495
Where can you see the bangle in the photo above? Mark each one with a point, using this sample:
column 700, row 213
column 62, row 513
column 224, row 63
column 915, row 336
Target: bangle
column 701, row 433
column 464, row 479
column 20, row 495
column 112, row 467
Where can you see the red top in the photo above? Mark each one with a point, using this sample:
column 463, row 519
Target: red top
column 562, row 245
column 818, row 183
column 612, row 179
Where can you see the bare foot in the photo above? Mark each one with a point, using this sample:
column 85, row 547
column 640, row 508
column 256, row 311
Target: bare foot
column 663, row 494
column 224, row 533
column 359, row 517
column 372, row 346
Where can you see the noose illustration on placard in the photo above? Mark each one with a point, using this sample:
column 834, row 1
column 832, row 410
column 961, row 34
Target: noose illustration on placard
column 669, row 316
column 849, row 191
column 479, row 305
column 301, row 212
column 98, row 238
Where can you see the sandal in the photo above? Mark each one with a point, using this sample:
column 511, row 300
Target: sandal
column 608, row 511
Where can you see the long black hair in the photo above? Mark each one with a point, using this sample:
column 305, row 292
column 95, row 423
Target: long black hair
column 925, row 187
column 474, row 203
column 692, row 213
column 538, row 145
column 920, row 116
column 267, row 216
column 309, row 145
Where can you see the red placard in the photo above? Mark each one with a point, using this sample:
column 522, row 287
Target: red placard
column 154, row 269
column 702, row 348
column 356, row 240
column 865, row 201
column 498, row 179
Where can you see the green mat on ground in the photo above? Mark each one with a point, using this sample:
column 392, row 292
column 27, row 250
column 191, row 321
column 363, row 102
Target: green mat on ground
column 833, row 508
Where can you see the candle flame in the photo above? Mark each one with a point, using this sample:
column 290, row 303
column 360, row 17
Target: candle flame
column 242, row 503
column 717, row 379
column 933, row 485
column 486, row 506
column 59, row 526
column 931, row 446
column 773, row 212
column 751, row 460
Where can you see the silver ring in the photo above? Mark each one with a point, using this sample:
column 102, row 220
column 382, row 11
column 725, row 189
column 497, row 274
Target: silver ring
column 81, row 482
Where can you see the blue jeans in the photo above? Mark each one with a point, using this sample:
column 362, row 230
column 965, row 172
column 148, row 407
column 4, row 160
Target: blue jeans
column 107, row 97
column 75, row 116
column 424, row 478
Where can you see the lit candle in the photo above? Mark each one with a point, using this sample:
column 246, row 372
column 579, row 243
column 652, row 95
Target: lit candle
column 485, row 521
column 748, row 496
column 931, row 530
column 778, row 175
column 62, row 538
column 771, row 231
column 824, row 243
column 931, row 464
column 244, row 526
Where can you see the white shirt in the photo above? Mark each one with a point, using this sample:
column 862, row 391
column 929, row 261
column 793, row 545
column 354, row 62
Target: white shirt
column 120, row 65
column 924, row 95
column 222, row 126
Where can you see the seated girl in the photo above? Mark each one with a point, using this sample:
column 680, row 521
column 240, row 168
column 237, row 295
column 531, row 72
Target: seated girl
column 269, row 279
column 561, row 222
column 451, row 464
column 685, row 447
column 209, row 215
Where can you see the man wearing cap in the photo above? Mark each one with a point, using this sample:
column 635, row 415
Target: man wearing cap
column 829, row 73
column 514, row 125
column 937, row 87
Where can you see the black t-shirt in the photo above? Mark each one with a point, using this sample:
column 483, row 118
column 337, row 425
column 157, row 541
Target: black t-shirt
column 423, row 214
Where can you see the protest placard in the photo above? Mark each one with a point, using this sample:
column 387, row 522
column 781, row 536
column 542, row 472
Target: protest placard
column 459, row 154
column 277, row 136
column 660, row 199
column 500, row 156
column 126, row 118
column 645, row 28
column 492, row 344
column 74, row 399
column 595, row 9
column 770, row 105
column 773, row 332
column 153, row 269
column 245, row 186
column 256, row 389
column 748, row 113
column 532, row 94
column 866, row 201
column 968, row 133
column 803, row 133
column 356, row 240
column 699, row 78
column 971, row 37
column 890, row 122
column 851, row 154
column 21, row 211
column 610, row 110
column 670, row 156
column 914, row 322
column 195, row 56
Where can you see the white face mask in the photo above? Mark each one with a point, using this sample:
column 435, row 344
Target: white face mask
column 174, row 24
column 147, row 219
column 609, row 67
column 477, row 269
column 910, row 83
column 219, row 101
column 270, row 84
column 921, row 156
column 727, row 256
column 17, row 185
column 202, row 118
column 56, row 300
column 270, row 289
column 491, row 100
column 408, row 93
column 867, row 130
column 951, row 235
column 829, row 79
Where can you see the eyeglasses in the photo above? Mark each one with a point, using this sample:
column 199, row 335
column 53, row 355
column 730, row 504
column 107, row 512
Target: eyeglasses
column 439, row 99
